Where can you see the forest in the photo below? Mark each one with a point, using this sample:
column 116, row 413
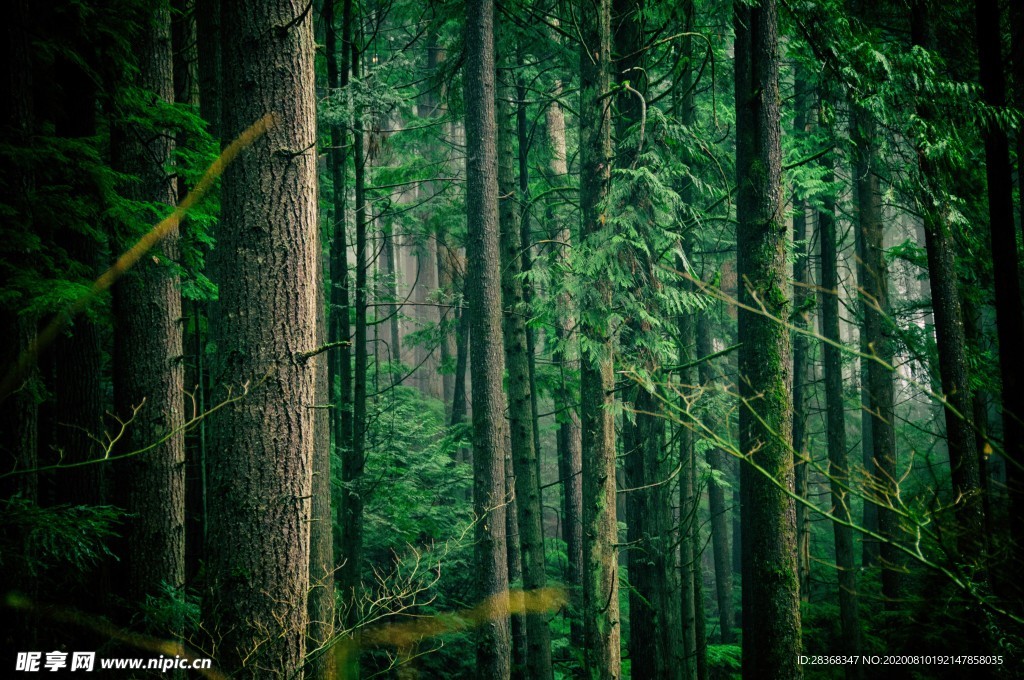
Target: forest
column 602, row 339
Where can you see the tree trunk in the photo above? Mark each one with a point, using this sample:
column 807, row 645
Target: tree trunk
column 267, row 265
column 529, row 505
column 802, row 303
column 835, row 421
column 771, row 630
column 872, row 278
column 488, row 364
column 716, row 495
column 1005, row 259
column 949, row 338
column 597, row 377
column 340, row 358
column 566, row 400
column 148, row 373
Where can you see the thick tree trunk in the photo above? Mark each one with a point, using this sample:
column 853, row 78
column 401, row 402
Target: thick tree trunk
column 949, row 338
column 520, row 393
column 148, row 373
column 488, row 363
column 267, row 266
column 835, row 422
column 597, row 377
column 771, row 621
column 1005, row 259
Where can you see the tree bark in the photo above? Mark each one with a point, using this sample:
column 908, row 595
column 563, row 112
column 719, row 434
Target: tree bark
column 148, row 373
column 597, row 377
column 529, row 504
column 267, row 266
column 771, row 635
column 949, row 338
column 835, row 422
column 1005, row 260
column 488, row 364
column 566, row 400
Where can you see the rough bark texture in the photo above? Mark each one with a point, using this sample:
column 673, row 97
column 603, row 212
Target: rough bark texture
column 1005, row 259
column 267, row 265
column 950, row 341
column 771, row 635
column 488, row 362
column 716, row 495
column 835, row 423
column 597, row 377
column 520, row 395
column 148, row 372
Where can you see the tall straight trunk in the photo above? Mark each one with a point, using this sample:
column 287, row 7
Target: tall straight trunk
column 690, row 659
column 267, row 266
column 526, row 250
column 353, row 459
column 877, row 395
column 340, row 331
column 716, row 495
column 950, row 341
column 657, row 645
column 1005, row 259
column 597, row 377
column 801, row 298
column 529, row 506
column 685, row 659
column 835, row 421
column 148, row 372
column 566, row 400
column 515, row 566
column 488, row 362
column 771, row 590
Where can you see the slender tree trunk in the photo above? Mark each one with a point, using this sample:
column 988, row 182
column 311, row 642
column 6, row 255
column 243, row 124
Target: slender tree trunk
column 340, row 361
column 802, row 303
column 267, row 265
column 1005, row 260
column 566, row 399
column 838, row 465
column 771, row 630
column 877, row 391
column 529, row 505
column 716, row 494
column 148, row 373
column 597, row 377
column 488, row 364
column 353, row 459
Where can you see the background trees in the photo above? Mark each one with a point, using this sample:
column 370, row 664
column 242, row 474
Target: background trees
column 571, row 283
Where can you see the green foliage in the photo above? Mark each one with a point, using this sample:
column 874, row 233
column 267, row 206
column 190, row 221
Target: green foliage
column 61, row 542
